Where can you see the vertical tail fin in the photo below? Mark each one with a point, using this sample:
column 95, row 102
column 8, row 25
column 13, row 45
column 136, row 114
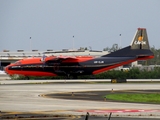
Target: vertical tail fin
column 139, row 46
column 140, row 40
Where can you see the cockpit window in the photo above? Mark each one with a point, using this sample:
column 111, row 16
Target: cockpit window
column 17, row 63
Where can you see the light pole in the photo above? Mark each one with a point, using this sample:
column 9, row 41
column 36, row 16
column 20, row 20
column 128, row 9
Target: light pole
column 30, row 44
column 120, row 41
column 73, row 43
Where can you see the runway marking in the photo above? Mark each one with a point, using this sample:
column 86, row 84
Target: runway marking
column 117, row 111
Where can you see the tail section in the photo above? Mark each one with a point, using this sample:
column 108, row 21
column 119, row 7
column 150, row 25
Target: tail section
column 139, row 46
column 140, row 40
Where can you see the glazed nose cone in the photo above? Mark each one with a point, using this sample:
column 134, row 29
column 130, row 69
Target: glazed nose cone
column 6, row 69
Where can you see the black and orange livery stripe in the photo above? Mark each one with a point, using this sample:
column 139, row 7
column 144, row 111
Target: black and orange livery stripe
column 84, row 65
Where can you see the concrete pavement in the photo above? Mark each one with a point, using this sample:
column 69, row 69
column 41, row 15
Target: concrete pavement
column 29, row 98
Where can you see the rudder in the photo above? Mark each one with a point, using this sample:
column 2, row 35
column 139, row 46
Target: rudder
column 140, row 40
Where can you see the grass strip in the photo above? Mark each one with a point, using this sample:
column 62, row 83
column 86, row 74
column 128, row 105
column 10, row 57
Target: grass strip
column 135, row 97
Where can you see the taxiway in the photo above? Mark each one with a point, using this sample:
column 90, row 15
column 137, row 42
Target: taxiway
column 30, row 98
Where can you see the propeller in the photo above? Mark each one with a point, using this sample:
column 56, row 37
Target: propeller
column 43, row 58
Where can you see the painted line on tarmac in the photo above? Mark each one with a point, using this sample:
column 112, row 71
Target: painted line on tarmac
column 118, row 111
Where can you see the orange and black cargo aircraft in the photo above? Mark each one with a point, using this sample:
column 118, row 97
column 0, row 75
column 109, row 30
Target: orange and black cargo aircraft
column 84, row 65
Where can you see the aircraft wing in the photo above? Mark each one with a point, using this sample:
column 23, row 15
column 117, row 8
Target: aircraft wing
column 61, row 59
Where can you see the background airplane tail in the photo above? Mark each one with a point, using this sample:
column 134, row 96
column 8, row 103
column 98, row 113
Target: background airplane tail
column 140, row 40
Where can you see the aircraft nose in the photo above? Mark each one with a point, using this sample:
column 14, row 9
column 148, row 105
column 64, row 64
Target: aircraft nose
column 6, row 69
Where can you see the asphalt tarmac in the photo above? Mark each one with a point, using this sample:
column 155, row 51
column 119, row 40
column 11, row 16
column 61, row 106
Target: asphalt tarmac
column 98, row 95
column 67, row 101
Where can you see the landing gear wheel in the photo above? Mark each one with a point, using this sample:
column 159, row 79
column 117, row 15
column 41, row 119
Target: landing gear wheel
column 75, row 77
column 26, row 77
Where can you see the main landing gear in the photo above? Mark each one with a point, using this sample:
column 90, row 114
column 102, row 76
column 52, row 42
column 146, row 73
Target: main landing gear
column 26, row 78
column 72, row 76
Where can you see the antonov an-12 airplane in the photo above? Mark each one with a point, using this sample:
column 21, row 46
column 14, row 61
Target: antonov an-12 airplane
column 84, row 65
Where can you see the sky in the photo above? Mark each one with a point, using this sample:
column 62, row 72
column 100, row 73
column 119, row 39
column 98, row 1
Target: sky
column 71, row 24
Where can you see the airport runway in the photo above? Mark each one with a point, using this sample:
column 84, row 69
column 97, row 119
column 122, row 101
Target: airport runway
column 30, row 98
